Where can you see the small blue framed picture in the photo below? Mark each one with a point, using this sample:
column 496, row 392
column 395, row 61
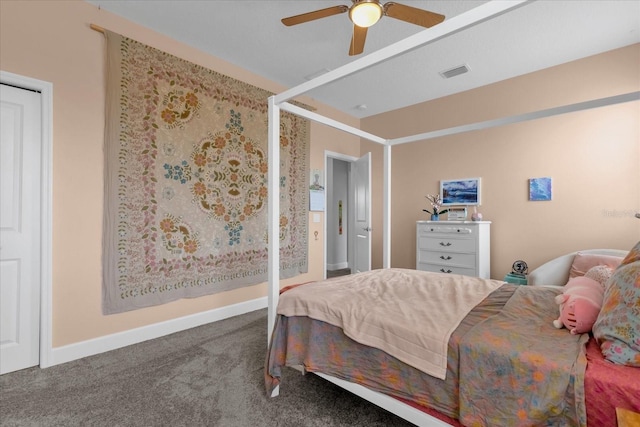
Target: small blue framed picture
column 540, row 189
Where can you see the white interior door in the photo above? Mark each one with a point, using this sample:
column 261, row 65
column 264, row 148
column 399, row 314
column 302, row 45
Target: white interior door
column 362, row 212
column 20, row 231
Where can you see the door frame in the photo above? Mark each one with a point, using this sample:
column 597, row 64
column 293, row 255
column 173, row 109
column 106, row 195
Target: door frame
column 46, row 207
column 350, row 235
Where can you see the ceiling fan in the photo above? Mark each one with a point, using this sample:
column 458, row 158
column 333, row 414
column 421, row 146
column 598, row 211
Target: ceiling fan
column 365, row 13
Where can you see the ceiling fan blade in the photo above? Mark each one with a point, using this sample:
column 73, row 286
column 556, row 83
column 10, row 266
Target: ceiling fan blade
column 357, row 40
column 317, row 14
column 421, row 17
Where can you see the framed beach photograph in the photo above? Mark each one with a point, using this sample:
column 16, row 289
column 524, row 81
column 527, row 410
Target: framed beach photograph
column 540, row 189
column 460, row 191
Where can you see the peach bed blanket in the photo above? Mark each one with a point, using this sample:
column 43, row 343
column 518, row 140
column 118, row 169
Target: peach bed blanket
column 388, row 309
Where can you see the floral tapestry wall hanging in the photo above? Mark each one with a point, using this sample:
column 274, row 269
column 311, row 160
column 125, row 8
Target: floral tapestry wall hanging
column 186, row 181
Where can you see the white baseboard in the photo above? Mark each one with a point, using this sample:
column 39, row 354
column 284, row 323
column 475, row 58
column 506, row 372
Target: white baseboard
column 338, row 266
column 95, row 346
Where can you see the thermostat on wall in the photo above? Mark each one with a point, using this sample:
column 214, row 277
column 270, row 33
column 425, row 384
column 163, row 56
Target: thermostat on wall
column 457, row 214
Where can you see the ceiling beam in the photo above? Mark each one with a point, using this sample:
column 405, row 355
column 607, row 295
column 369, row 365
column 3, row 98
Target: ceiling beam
column 285, row 106
column 571, row 108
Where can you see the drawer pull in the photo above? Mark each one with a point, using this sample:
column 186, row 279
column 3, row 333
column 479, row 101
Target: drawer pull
column 442, row 270
column 446, row 258
column 445, row 244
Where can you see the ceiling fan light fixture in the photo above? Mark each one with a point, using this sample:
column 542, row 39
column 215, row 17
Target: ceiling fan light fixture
column 365, row 13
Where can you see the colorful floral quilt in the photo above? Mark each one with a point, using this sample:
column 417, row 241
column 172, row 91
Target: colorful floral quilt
column 516, row 369
column 507, row 364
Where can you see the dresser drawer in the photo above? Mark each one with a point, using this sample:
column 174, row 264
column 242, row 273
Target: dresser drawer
column 446, row 269
column 446, row 243
column 467, row 231
column 448, row 258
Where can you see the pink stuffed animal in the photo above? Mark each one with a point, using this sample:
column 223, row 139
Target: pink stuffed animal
column 580, row 304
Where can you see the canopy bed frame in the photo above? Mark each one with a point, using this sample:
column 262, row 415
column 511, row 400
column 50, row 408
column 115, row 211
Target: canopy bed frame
column 279, row 102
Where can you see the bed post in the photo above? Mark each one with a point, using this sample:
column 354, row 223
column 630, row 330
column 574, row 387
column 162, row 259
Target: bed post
column 273, row 246
column 386, row 206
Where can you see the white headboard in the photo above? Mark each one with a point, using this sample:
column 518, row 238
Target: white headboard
column 556, row 271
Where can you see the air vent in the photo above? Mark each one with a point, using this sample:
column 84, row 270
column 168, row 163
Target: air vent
column 456, row 71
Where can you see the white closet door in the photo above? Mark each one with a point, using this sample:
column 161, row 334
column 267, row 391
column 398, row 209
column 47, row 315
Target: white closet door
column 20, row 234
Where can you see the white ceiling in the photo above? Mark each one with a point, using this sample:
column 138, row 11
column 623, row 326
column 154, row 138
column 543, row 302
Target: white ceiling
column 537, row 35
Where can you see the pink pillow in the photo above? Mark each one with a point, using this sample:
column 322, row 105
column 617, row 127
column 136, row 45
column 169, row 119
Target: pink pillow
column 584, row 262
column 600, row 273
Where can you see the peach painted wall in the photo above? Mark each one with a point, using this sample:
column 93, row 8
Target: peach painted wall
column 593, row 157
column 52, row 41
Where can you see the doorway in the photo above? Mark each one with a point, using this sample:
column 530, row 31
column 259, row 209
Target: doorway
column 348, row 211
column 338, row 209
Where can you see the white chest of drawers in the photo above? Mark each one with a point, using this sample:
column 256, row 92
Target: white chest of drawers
column 457, row 247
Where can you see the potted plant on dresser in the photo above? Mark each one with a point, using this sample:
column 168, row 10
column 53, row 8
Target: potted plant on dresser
column 436, row 205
